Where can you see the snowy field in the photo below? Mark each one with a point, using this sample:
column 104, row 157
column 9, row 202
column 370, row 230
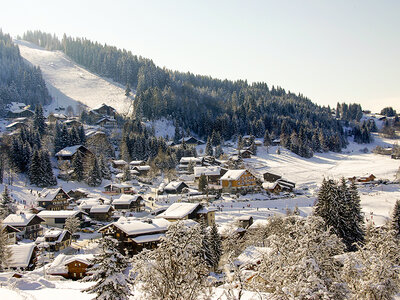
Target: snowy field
column 69, row 84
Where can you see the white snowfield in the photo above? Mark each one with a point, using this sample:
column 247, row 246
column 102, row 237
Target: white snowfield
column 71, row 85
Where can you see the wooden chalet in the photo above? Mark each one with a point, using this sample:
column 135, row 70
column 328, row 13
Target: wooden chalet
column 116, row 189
column 212, row 173
column 364, row 179
column 279, row 186
column 101, row 212
column 245, row 221
column 53, row 199
column 129, row 203
column 68, row 154
column 119, row 164
column 142, row 170
column 104, row 110
column 191, row 141
column 53, row 118
column 135, row 235
column 107, row 122
column 270, row 177
column 73, row 267
column 175, row 187
column 11, row 233
column 189, row 211
column 54, row 240
column 245, row 153
column 234, row 180
column 28, row 224
column 16, row 125
column 20, row 113
column 57, row 218
column 72, row 123
column 23, row 257
column 78, row 194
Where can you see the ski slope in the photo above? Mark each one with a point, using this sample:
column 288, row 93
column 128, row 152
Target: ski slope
column 71, row 85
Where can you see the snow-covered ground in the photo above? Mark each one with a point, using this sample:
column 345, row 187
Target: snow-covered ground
column 69, row 84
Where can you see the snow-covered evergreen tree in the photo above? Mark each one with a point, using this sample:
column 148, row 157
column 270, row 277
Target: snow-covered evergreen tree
column 127, row 174
column 395, row 220
column 5, row 252
column 173, row 270
column 48, row 178
column 108, row 273
column 39, row 120
column 104, row 167
column 267, row 139
column 215, row 246
column 94, row 175
column 7, row 204
column 218, row 151
column 202, row 183
column 340, row 208
column 77, row 166
column 72, row 224
column 35, row 169
column 301, row 265
column 209, row 150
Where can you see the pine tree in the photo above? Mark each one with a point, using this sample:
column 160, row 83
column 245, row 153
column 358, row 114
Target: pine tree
column 218, row 151
column 191, row 166
column 206, row 251
column 48, row 178
column 7, row 204
column 35, row 169
column 202, row 183
column 127, row 174
column 240, row 143
column 5, row 253
column 108, row 273
column 267, row 139
column 209, row 150
column 1, row 168
column 82, row 135
column 355, row 224
column 94, row 175
column 215, row 245
column 77, row 166
column 128, row 90
column 395, row 221
column 104, row 167
column 72, row 224
column 38, row 119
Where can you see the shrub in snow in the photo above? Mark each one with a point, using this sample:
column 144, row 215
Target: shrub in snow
column 175, row 269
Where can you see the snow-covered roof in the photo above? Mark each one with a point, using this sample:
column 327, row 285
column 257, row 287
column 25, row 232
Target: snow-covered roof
column 100, row 209
column 20, row 255
column 49, row 194
column 18, row 220
column 68, row 151
column 13, row 124
column 137, row 227
column 233, row 174
column 209, row 171
column 189, row 159
column 119, row 162
column 105, row 119
column 89, row 203
column 251, row 255
column 52, row 233
column 15, row 106
column 173, row 185
column 58, row 213
column 148, row 238
column 269, row 185
column 142, row 168
column 178, row 210
column 125, row 199
column 94, row 132
column 136, row 162
column 119, row 185
column 259, row 223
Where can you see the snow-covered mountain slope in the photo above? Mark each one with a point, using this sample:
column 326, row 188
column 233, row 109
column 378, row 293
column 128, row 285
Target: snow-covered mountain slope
column 69, row 84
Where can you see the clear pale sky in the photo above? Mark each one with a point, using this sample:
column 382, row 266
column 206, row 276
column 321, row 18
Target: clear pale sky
column 329, row 51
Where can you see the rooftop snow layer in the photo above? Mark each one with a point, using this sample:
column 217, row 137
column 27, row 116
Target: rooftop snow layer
column 20, row 255
column 178, row 210
column 233, row 175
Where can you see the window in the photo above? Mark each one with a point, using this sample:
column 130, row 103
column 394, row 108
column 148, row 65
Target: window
column 59, row 220
column 74, row 274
